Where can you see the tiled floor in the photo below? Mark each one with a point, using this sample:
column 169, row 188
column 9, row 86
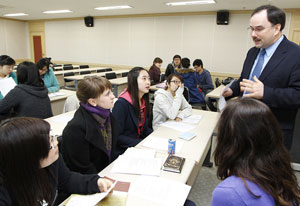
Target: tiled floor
column 204, row 185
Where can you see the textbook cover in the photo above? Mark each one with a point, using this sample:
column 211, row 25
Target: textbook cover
column 173, row 164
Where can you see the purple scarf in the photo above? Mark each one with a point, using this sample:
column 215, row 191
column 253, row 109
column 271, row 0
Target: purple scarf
column 104, row 113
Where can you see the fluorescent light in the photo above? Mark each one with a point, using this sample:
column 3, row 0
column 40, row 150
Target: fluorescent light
column 16, row 14
column 114, row 7
column 57, row 11
column 184, row 3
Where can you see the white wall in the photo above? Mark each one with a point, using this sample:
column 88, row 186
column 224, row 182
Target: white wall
column 137, row 41
column 14, row 39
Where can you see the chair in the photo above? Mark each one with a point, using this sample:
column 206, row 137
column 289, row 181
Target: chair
column 152, row 82
column 83, row 66
column 162, row 77
column 69, row 67
column 108, row 69
column 101, row 70
column 186, row 94
column 85, row 72
column 68, row 74
column 217, row 82
column 71, row 103
column 111, row 75
column 124, row 74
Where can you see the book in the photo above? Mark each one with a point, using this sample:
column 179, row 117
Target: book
column 117, row 198
column 173, row 163
column 187, row 135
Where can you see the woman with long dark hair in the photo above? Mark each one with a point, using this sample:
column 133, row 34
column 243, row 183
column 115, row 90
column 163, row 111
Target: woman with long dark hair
column 29, row 98
column 252, row 159
column 31, row 171
column 48, row 75
column 132, row 110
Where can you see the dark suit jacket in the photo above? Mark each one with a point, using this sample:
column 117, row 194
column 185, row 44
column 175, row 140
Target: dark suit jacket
column 128, row 126
column 281, row 79
column 83, row 146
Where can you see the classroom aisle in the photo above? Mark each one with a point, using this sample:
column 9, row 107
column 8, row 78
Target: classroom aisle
column 205, row 183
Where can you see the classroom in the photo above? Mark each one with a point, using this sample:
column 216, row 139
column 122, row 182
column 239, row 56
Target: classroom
column 132, row 36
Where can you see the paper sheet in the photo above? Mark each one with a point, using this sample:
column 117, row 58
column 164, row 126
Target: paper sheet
column 161, row 144
column 160, row 190
column 89, row 200
column 56, row 94
column 136, row 152
column 222, row 102
column 193, row 119
column 179, row 126
column 6, row 85
column 137, row 165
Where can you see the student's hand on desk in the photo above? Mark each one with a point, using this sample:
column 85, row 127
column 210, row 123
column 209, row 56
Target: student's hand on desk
column 104, row 185
column 255, row 88
column 177, row 119
column 227, row 93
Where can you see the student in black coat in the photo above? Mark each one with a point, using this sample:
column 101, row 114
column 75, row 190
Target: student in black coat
column 132, row 110
column 89, row 139
column 29, row 98
column 31, row 171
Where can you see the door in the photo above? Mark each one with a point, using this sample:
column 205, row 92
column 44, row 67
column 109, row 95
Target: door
column 37, row 48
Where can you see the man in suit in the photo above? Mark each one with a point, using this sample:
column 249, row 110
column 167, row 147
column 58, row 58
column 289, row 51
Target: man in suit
column 271, row 71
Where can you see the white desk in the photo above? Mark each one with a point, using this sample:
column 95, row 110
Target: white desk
column 57, row 102
column 195, row 149
column 59, row 122
column 78, row 70
column 216, row 93
column 61, row 67
column 60, row 77
column 115, row 82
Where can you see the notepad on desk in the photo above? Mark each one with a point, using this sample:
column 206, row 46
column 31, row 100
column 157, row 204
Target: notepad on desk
column 187, row 135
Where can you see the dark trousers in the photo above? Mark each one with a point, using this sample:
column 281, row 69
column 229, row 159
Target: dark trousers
column 288, row 138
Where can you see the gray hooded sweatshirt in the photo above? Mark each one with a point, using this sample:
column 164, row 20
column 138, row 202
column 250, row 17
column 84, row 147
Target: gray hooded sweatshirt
column 168, row 107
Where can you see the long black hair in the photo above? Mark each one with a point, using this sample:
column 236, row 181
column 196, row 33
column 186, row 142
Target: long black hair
column 133, row 89
column 24, row 142
column 28, row 73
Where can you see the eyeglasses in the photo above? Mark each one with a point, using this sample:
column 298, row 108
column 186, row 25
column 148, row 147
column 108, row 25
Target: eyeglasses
column 53, row 139
column 176, row 82
column 258, row 29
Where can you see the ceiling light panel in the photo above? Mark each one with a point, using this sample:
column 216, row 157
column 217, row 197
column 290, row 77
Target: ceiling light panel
column 185, row 3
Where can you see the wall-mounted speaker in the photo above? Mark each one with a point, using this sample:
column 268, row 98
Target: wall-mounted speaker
column 223, row 17
column 89, row 21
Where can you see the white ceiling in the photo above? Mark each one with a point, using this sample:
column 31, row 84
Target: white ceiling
column 83, row 8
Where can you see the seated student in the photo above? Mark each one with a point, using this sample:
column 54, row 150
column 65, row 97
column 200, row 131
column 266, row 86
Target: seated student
column 47, row 75
column 204, row 82
column 29, row 98
column 188, row 75
column 38, row 175
column 154, row 71
column 251, row 158
column 169, row 103
column 132, row 110
column 6, row 69
column 88, row 140
column 171, row 68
